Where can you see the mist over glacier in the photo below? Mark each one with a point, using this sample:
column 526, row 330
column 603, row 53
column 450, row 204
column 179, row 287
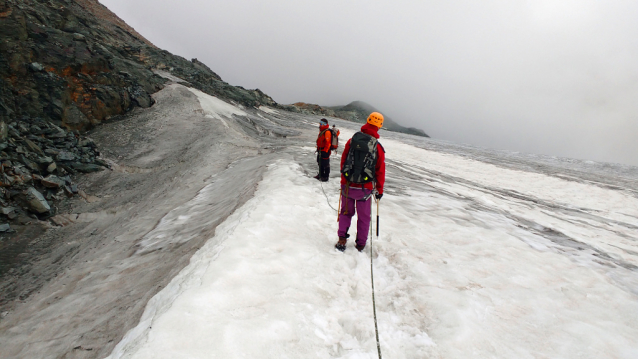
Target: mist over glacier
column 546, row 77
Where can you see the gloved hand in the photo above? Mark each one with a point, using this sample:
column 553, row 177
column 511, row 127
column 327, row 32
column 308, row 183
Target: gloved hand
column 378, row 195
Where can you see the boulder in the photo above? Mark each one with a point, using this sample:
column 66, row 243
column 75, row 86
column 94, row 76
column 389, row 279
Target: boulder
column 74, row 118
column 6, row 210
column 52, row 181
column 36, row 201
column 44, row 160
column 66, row 156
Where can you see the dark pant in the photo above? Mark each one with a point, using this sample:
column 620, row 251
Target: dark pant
column 355, row 200
column 323, row 159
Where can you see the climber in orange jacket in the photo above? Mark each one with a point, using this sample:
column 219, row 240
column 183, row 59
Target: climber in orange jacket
column 324, row 141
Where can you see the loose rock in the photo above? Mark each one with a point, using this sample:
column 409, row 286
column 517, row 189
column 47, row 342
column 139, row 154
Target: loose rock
column 53, row 182
column 52, row 167
column 36, row 201
column 66, row 156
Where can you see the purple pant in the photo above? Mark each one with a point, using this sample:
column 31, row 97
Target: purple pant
column 355, row 198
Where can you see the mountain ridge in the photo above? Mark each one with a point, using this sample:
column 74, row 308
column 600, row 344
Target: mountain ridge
column 357, row 111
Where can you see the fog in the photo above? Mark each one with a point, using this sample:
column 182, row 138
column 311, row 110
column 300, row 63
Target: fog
column 544, row 76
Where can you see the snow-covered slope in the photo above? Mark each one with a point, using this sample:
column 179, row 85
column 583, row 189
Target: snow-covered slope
column 474, row 260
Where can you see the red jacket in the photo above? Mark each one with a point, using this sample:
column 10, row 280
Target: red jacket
column 324, row 142
column 380, row 167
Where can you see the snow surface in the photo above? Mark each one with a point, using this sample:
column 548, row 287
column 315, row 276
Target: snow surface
column 216, row 108
column 473, row 261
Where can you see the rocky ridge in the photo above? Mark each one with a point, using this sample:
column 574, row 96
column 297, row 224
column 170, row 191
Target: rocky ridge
column 76, row 64
column 356, row 111
column 67, row 66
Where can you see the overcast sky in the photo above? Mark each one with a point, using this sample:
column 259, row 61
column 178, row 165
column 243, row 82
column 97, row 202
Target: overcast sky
column 557, row 77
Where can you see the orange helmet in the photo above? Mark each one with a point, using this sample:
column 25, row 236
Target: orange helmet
column 376, row 119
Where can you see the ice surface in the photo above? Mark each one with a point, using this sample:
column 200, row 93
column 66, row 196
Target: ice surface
column 215, row 107
column 474, row 260
column 268, row 110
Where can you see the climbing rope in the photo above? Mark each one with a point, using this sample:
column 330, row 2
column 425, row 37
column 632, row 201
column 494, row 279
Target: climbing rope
column 374, row 303
column 327, row 199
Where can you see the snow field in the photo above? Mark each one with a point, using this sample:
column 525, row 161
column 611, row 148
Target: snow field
column 483, row 293
column 269, row 285
column 451, row 281
column 602, row 218
column 473, row 261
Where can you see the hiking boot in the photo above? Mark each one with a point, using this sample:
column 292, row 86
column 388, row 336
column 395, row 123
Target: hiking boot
column 341, row 245
column 317, row 177
column 324, row 179
column 360, row 247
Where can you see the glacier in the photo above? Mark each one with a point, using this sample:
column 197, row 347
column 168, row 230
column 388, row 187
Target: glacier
column 481, row 254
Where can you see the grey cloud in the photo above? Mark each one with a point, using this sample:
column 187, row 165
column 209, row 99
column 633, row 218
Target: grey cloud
column 552, row 77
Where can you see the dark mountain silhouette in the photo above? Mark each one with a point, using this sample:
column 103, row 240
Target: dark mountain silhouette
column 358, row 111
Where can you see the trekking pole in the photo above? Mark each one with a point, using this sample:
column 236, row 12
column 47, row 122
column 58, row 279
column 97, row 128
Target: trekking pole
column 339, row 208
column 377, row 218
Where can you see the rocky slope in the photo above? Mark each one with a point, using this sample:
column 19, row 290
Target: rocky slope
column 77, row 64
column 69, row 65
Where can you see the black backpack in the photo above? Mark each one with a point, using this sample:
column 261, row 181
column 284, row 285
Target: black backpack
column 361, row 160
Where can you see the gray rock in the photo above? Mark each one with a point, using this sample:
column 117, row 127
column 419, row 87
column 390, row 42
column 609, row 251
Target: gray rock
column 33, row 147
column 78, row 37
column 44, row 160
column 51, row 152
column 86, row 142
column 75, row 118
column 36, row 201
column 52, row 181
column 4, row 131
column 14, row 132
column 102, row 163
column 6, row 180
column 52, row 167
column 30, row 164
column 23, row 128
column 55, row 135
column 6, row 210
column 5, row 227
column 35, row 66
column 66, row 156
